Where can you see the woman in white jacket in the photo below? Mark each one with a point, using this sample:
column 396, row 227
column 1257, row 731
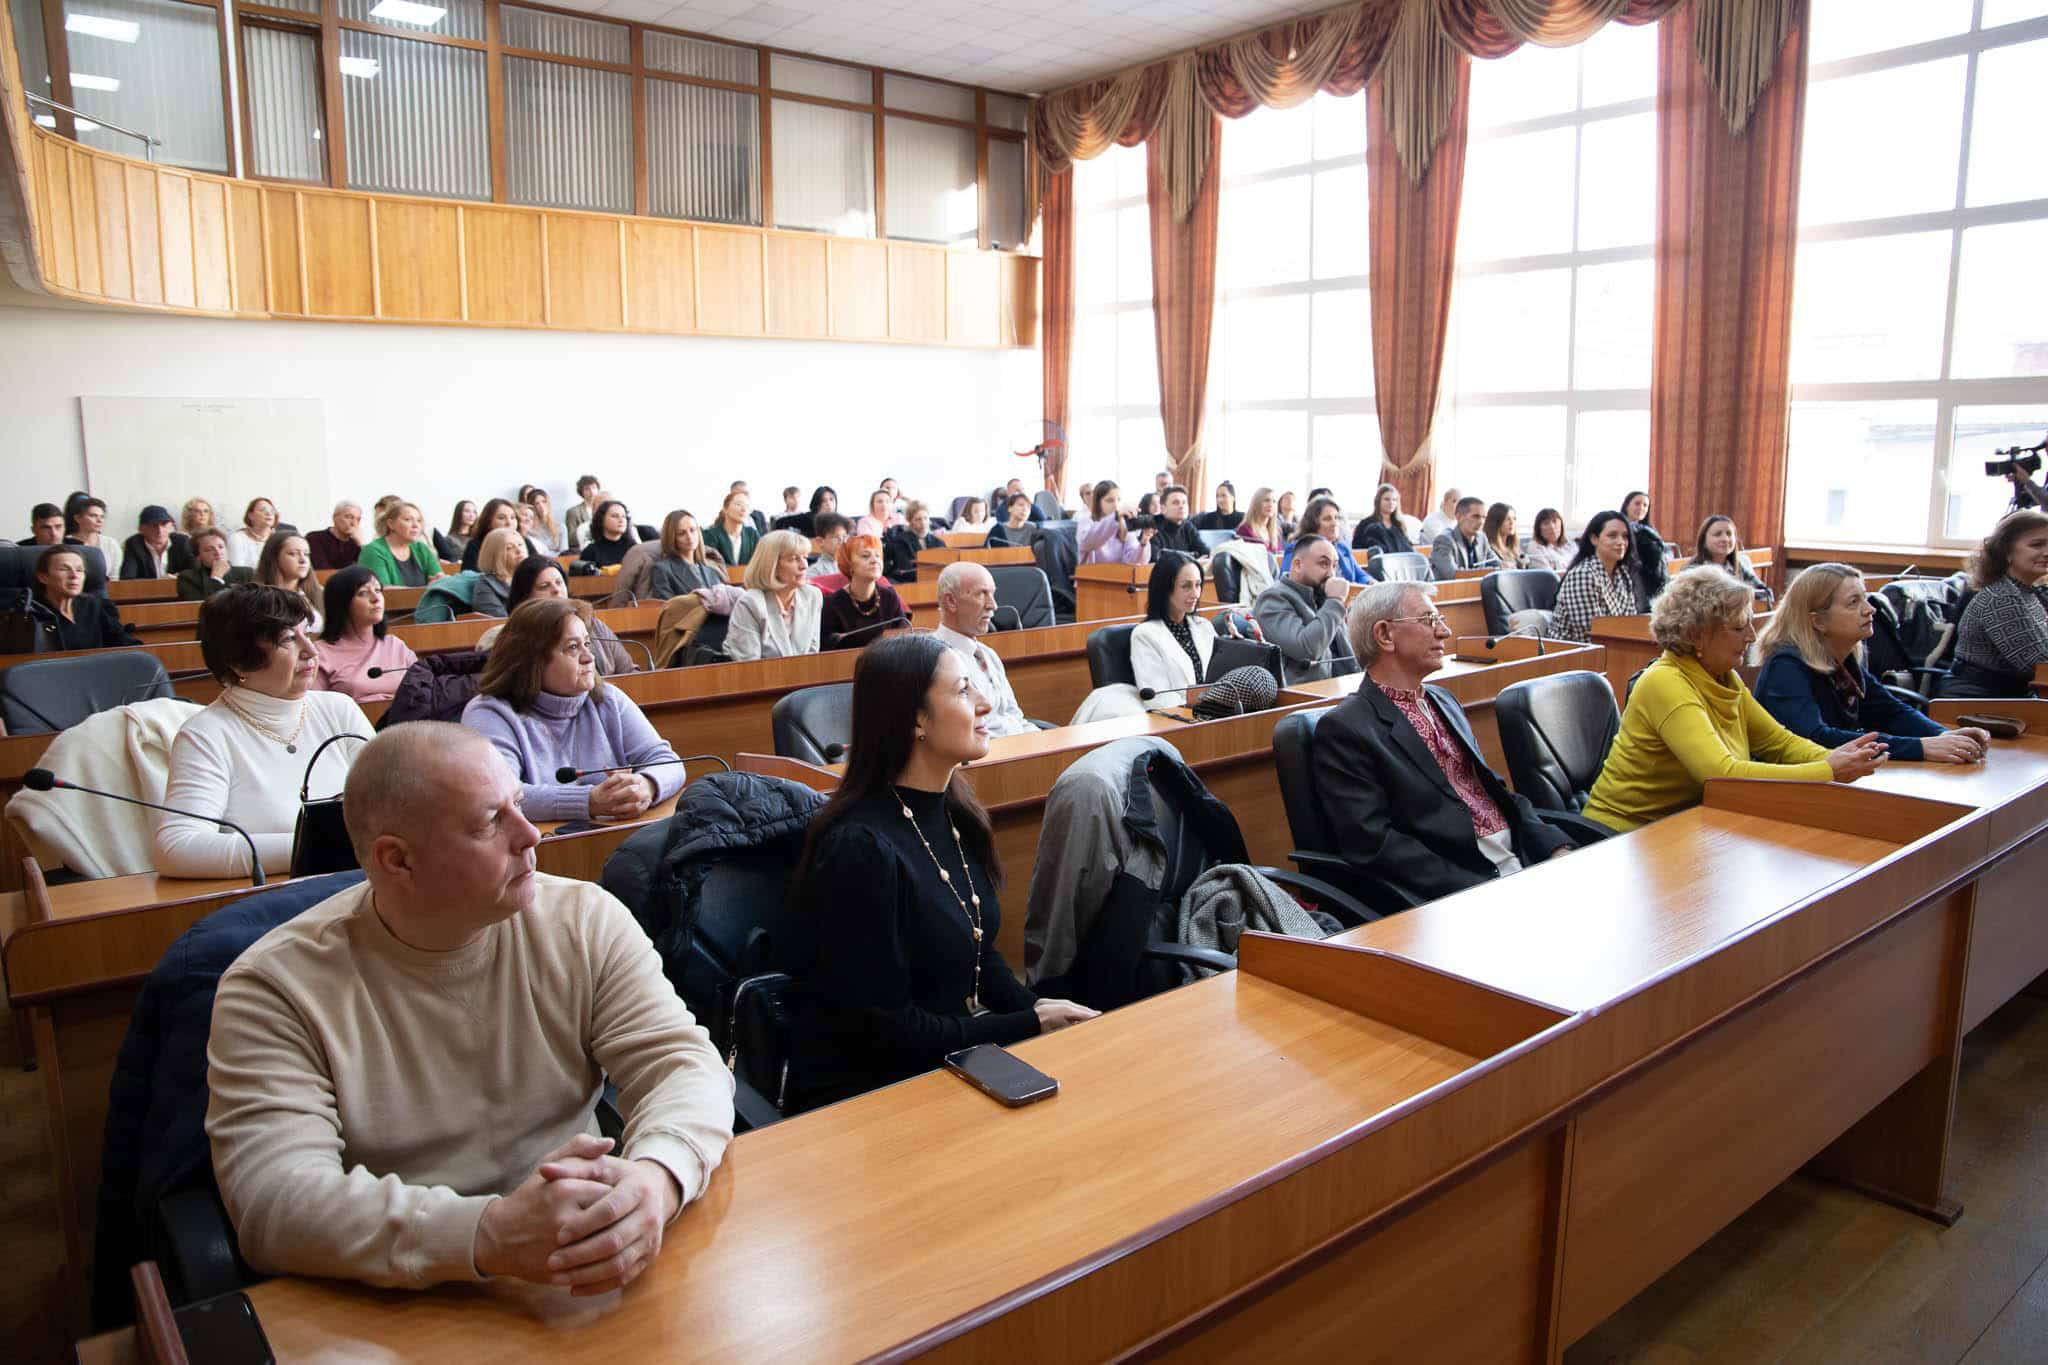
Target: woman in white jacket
column 1170, row 649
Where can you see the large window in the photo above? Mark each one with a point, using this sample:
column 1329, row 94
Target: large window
column 1546, row 384
column 149, row 65
column 1115, row 430
column 1920, row 312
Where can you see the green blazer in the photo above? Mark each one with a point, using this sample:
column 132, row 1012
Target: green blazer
column 715, row 538
column 378, row 559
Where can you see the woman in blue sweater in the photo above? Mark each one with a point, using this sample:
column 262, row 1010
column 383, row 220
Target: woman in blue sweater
column 1814, row 681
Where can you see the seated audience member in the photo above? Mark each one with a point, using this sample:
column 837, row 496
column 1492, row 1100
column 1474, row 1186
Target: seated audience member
column 1284, row 509
column 1324, row 518
column 335, row 546
column 790, row 506
column 1652, row 558
column 1176, row 532
column 529, row 525
column 822, row 569
column 155, row 550
column 245, row 755
column 85, row 522
column 823, row 499
column 457, row 1140
column 967, row 611
column 1815, row 684
column 401, row 556
column 1383, row 532
column 1148, row 505
column 1689, row 717
column 543, row 706
column 1548, row 546
column 498, row 513
column 1303, row 612
column 1170, row 649
column 1503, row 537
column 881, row 515
column 898, row 885
column 671, row 565
column 538, row 577
column 900, row 546
column 245, row 542
column 1443, row 519
column 502, row 554
column 1015, row 528
column 1342, row 539
column 1464, row 545
column 1161, row 481
column 1261, row 524
column 1109, row 538
column 778, row 615
column 287, row 564
column 1012, row 488
column 1602, row 580
column 210, row 571
column 2003, row 636
column 45, row 525
column 612, row 535
column 1386, row 756
column 974, row 517
column 195, row 516
column 733, row 536
column 453, row 543
column 856, row 614
column 353, row 639
column 1087, row 499
column 72, row 617
column 553, row 539
column 1719, row 545
column 576, row 525
column 755, row 515
column 1225, row 516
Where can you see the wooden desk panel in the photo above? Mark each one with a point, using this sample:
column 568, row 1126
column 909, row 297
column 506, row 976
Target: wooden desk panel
column 1107, row 592
column 985, row 554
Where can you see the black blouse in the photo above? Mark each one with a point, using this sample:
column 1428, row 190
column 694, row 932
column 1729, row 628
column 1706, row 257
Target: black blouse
column 605, row 553
column 1377, row 535
column 95, row 623
column 891, row 955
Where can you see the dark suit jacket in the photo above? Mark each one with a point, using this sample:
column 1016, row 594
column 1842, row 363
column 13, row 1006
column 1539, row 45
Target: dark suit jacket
column 138, row 562
column 195, row 586
column 1392, row 809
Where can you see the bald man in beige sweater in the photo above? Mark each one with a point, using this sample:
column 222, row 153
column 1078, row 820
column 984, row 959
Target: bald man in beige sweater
column 403, row 1078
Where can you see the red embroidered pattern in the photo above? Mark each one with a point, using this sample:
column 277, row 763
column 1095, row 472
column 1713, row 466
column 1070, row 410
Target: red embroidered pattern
column 1452, row 758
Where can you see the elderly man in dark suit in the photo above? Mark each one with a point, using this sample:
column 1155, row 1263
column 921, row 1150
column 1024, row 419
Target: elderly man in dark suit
column 1402, row 783
column 157, row 549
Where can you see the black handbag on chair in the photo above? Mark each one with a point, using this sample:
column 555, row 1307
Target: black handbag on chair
column 320, row 841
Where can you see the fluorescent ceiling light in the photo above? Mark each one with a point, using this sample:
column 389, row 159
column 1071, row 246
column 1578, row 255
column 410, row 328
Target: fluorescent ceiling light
column 83, row 82
column 406, row 12
column 113, row 30
column 361, row 67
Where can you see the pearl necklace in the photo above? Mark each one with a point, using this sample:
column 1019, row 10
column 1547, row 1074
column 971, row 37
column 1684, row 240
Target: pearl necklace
column 290, row 741
column 972, row 916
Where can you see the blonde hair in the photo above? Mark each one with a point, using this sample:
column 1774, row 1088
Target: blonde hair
column 388, row 514
column 490, row 558
column 1793, row 624
column 188, row 516
column 670, row 524
column 768, row 554
column 1269, row 527
column 1694, row 600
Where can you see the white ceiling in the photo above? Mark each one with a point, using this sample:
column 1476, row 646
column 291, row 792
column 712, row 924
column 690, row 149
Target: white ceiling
column 1026, row 46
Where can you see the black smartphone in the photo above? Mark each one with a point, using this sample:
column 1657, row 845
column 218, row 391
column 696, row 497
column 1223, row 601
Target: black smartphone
column 997, row 1074
column 224, row 1331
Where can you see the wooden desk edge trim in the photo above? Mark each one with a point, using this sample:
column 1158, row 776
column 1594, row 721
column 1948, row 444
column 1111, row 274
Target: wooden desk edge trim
column 1408, row 963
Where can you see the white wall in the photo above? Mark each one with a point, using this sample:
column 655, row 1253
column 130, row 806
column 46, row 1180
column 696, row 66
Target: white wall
column 438, row 414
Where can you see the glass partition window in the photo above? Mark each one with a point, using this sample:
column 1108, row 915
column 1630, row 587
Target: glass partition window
column 703, row 153
column 824, row 169
column 281, row 85
column 153, row 66
column 1009, row 196
column 416, row 117
column 568, row 136
column 449, row 18
column 934, row 195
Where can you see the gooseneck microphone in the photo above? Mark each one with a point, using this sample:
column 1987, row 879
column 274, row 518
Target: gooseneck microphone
column 876, row 625
column 567, row 774
column 834, row 752
column 1493, row 641
column 42, row 780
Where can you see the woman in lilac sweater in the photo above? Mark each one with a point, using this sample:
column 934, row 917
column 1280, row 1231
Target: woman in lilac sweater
column 1106, row 540
column 542, row 704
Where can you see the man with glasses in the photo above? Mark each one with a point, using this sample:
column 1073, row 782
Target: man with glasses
column 1405, row 791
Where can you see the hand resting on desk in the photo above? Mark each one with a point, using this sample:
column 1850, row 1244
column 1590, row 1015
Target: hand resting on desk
column 584, row 1219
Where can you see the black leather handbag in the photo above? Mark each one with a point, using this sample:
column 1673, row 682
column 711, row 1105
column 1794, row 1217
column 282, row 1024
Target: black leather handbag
column 320, row 841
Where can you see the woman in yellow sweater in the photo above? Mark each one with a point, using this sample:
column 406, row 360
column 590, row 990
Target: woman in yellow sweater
column 1690, row 718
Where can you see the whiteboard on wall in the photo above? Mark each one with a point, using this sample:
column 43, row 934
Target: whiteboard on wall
column 140, row 451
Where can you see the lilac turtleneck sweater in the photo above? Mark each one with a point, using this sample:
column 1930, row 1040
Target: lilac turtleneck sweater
column 600, row 729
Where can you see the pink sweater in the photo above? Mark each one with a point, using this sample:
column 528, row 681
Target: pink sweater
column 345, row 665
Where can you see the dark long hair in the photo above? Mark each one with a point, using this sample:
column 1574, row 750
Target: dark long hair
column 818, row 496
column 1548, row 514
column 631, row 537
column 526, row 575
column 1630, row 497
column 889, row 686
column 1594, row 526
column 1160, row 586
column 340, row 591
column 1699, row 545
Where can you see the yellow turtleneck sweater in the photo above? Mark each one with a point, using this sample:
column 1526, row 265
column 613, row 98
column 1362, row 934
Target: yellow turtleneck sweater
column 1682, row 727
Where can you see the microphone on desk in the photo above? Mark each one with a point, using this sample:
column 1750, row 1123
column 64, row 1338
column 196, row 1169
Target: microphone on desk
column 1493, row 641
column 642, row 647
column 834, row 752
column 42, row 780
column 879, row 625
column 567, row 774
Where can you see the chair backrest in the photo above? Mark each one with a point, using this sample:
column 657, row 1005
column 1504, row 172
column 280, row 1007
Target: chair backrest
column 18, row 570
column 1401, row 567
column 1504, row 592
column 1109, row 656
column 46, row 695
column 959, row 506
column 1048, row 504
column 1228, row 575
column 1211, row 539
column 811, row 718
column 1294, row 743
column 1556, row 732
column 1921, row 605
column 1026, row 588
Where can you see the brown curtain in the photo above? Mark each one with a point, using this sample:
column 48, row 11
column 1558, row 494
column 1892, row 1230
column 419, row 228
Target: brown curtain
column 1056, row 314
column 1183, row 303
column 1727, row 223
column 1412, row 239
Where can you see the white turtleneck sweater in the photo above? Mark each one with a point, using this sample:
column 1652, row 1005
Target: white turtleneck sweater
column 220, row 762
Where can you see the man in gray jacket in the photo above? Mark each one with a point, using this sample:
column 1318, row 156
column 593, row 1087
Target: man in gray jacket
column 1303, row 613
column 1462, row 546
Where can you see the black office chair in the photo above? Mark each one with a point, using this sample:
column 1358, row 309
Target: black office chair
column 959, row 506
column 1109, row 657
column 811, row 720
column 1401, row 567
column 1057, row 552
column 1556, row 732
column 1910, row 679
column 1505, row 592
column 1228, row 575
column 47, row 695
column 1047, row 505
column 1026, row 593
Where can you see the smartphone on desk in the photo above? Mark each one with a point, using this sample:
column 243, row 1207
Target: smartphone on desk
column 1000, row 1076
column 223, row 1331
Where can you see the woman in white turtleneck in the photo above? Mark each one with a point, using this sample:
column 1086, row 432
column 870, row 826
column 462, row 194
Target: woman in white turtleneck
column 246, row 754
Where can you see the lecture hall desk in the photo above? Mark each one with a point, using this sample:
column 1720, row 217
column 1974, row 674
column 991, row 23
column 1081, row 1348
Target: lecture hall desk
column 1456, row 1134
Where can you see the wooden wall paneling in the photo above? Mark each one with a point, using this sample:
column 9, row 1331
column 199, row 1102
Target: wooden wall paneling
column 419, row 260
column 245, row 219
column 1020, row 301
column 860, row 287
column 729, row 282
column 974, row 282
column 145, row 239
column 110, row 196
column 85, row 224
column 339, row 256
column 798, row 293
column 283, row 271
column 917, row 293
column 174, row 237
column 585, row 287
column 211, row 255
column 502, row 265
column 59, row 233
column 661, row 277
column 2008, row 933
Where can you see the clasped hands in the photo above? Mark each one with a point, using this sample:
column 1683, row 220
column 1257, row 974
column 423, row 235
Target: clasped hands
column 584, row 1220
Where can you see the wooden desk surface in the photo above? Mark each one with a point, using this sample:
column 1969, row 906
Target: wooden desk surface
column 982, row 554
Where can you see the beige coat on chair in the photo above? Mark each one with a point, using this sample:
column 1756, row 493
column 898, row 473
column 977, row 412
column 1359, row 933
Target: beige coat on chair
column 125, row 750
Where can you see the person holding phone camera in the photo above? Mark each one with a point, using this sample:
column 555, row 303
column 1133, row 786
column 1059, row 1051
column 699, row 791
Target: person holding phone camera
column 1113, row 536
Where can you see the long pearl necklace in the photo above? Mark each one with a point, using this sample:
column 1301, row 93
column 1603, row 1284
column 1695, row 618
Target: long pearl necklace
column 973, row 915
column 290, row 741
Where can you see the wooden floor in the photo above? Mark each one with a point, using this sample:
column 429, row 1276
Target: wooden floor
column 1814, row 1273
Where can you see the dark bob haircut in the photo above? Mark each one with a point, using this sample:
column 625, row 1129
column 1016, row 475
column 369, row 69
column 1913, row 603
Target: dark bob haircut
column 239, row 625
column 338, row 594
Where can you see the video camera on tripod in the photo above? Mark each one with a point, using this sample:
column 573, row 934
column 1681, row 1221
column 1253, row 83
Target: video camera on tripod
column 2020, row 464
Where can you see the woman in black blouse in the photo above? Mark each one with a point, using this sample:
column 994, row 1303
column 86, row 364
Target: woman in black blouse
column 74, row 618
column 898, row 885
column 1382, row 532
column 611, row 535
